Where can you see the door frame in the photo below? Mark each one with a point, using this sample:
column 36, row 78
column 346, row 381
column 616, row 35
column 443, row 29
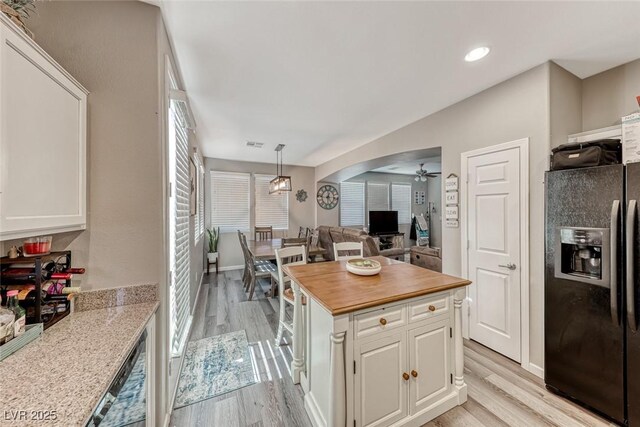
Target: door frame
column 523, row 146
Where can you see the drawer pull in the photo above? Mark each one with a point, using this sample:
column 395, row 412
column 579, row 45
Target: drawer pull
column 383, row 321
column 414, row 374
column 405, row 376
column 432, row 308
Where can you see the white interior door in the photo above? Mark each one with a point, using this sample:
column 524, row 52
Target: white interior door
column 494, row 260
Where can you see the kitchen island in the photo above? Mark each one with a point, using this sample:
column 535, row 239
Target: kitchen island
column 377, row 350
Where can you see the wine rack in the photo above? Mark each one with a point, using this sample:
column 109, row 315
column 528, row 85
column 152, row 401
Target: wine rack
column 35, row 277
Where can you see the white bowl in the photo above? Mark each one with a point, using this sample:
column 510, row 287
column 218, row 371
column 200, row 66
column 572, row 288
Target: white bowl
column 363, row 267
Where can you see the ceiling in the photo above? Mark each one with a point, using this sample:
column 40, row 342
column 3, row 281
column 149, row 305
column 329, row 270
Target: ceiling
column 326, row 77
column 431, row 164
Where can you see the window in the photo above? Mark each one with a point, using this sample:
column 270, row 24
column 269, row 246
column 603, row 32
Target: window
column 230, row 201
column 351, row 204
column 401, row 202
column 271, row 209
column 179, row 223
column 378, row 197
column 199, row 219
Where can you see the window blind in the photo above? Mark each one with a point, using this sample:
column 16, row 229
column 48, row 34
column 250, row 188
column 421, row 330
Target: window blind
column 230, row 201
column 181, row 185
column 352, row 204
column 271, row 209
column 377, row 196
column 401, row 202
column 199, row 220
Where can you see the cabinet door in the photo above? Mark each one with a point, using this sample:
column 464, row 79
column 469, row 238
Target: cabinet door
column 380, row 389
column 42, row 142
column 429, row 364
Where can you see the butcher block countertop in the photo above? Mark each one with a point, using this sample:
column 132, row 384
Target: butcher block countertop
column 341, row 292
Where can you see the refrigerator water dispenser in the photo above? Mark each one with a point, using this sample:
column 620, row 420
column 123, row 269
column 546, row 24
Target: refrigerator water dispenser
column 583, row 255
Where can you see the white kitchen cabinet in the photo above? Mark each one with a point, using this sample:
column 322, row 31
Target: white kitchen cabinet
column 430, row 365
column 43, row 113
column 380, row 389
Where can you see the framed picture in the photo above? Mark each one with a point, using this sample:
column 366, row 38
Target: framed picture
column 451, row 212
column 193, row 187
column 451, row 182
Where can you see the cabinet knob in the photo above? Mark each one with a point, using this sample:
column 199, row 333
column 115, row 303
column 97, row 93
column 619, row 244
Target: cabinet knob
column 432, row 308
column 405, row 376
column 383, row 321
column 414, row 374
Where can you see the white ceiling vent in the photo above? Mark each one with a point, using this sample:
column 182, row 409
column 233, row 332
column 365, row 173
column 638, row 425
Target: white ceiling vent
column 254, row 144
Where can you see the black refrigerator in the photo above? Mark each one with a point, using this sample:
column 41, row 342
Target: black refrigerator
column 592, row 343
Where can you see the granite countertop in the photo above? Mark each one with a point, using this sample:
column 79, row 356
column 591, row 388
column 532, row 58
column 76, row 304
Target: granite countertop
column 71, row 366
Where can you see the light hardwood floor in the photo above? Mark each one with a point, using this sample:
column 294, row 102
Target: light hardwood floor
column 500, row 392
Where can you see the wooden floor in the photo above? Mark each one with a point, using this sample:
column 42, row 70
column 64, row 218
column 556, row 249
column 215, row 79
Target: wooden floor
column 500, row 392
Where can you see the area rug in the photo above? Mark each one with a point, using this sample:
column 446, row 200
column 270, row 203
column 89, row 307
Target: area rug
column 130, row 406
column 214, row 366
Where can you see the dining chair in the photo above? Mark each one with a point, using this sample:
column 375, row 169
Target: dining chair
column 294, row 255
column 257, row 268
column 350, row 248
column 302, row 232
column 288, row 242
column 263, row 233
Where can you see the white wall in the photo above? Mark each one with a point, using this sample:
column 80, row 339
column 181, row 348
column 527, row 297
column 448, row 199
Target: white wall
column 301, row 214
column 608, row 96
column 511, row 110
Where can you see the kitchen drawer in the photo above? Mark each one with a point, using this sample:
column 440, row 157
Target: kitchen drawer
column 427, row 308
column 380, row 320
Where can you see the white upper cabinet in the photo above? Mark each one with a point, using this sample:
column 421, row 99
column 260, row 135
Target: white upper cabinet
column 43, row 114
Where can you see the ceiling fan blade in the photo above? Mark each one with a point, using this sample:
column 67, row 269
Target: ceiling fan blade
column 433, row 174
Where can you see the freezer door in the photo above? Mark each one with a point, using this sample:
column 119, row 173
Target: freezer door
column 632, row 295
column 584, row 333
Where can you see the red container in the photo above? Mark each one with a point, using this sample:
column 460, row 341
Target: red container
column 36, row 246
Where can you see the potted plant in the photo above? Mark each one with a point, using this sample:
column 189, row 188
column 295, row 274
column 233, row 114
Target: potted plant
column 214, row 236
column 18, row 11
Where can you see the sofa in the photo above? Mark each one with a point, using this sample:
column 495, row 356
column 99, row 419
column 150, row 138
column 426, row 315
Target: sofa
column 327, row 236
column 426, row 257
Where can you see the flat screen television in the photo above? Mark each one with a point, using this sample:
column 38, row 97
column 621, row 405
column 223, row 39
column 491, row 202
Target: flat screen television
column 383, row 222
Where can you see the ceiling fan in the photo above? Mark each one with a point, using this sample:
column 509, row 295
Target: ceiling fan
column 422, row 174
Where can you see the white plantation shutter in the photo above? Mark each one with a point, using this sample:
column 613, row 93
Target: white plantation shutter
column 401, row 202
column 199, row 220
column 179, row 140
column 352, row 204
column 230, row 201
column 271, row 209
column 378, row 196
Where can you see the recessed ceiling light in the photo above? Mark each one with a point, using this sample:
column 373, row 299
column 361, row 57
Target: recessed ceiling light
column 254, row 144
column 477, row 53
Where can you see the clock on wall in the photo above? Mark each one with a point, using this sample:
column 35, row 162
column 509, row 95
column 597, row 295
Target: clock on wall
column 327, row 197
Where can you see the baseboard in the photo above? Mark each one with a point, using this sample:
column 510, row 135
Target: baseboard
column 231, row 267
column 534, row 369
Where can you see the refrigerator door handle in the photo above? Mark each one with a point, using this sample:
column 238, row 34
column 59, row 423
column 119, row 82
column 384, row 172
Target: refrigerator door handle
column 631, row 259
column 615, row 212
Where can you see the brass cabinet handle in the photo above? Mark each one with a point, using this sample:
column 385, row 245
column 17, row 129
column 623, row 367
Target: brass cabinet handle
column 432, row 308
column 383, row 321
column 405, row 376
column 414, row 374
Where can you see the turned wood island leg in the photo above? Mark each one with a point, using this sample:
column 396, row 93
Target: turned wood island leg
column 337, row 381
column 297, row 365
column 458, row 298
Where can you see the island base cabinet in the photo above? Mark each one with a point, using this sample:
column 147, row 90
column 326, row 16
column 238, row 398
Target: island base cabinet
column 429, row 365
column 380, row 389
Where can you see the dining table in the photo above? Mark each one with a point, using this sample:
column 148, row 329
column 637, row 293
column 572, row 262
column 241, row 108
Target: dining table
column 266, row 249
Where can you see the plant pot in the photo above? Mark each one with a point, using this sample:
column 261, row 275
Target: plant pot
column 212, row 256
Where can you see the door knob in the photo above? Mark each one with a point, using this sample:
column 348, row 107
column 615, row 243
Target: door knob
column 510, row 266
column 405, row 376
column 414, row 374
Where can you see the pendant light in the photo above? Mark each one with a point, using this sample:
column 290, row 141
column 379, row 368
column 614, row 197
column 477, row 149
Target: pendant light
column 280, row 183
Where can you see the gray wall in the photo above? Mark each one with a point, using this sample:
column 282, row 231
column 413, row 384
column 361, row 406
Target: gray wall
column 301, row 214
column 565, row 104
column 608, row 96
column 511, row 110
column 389, row 178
